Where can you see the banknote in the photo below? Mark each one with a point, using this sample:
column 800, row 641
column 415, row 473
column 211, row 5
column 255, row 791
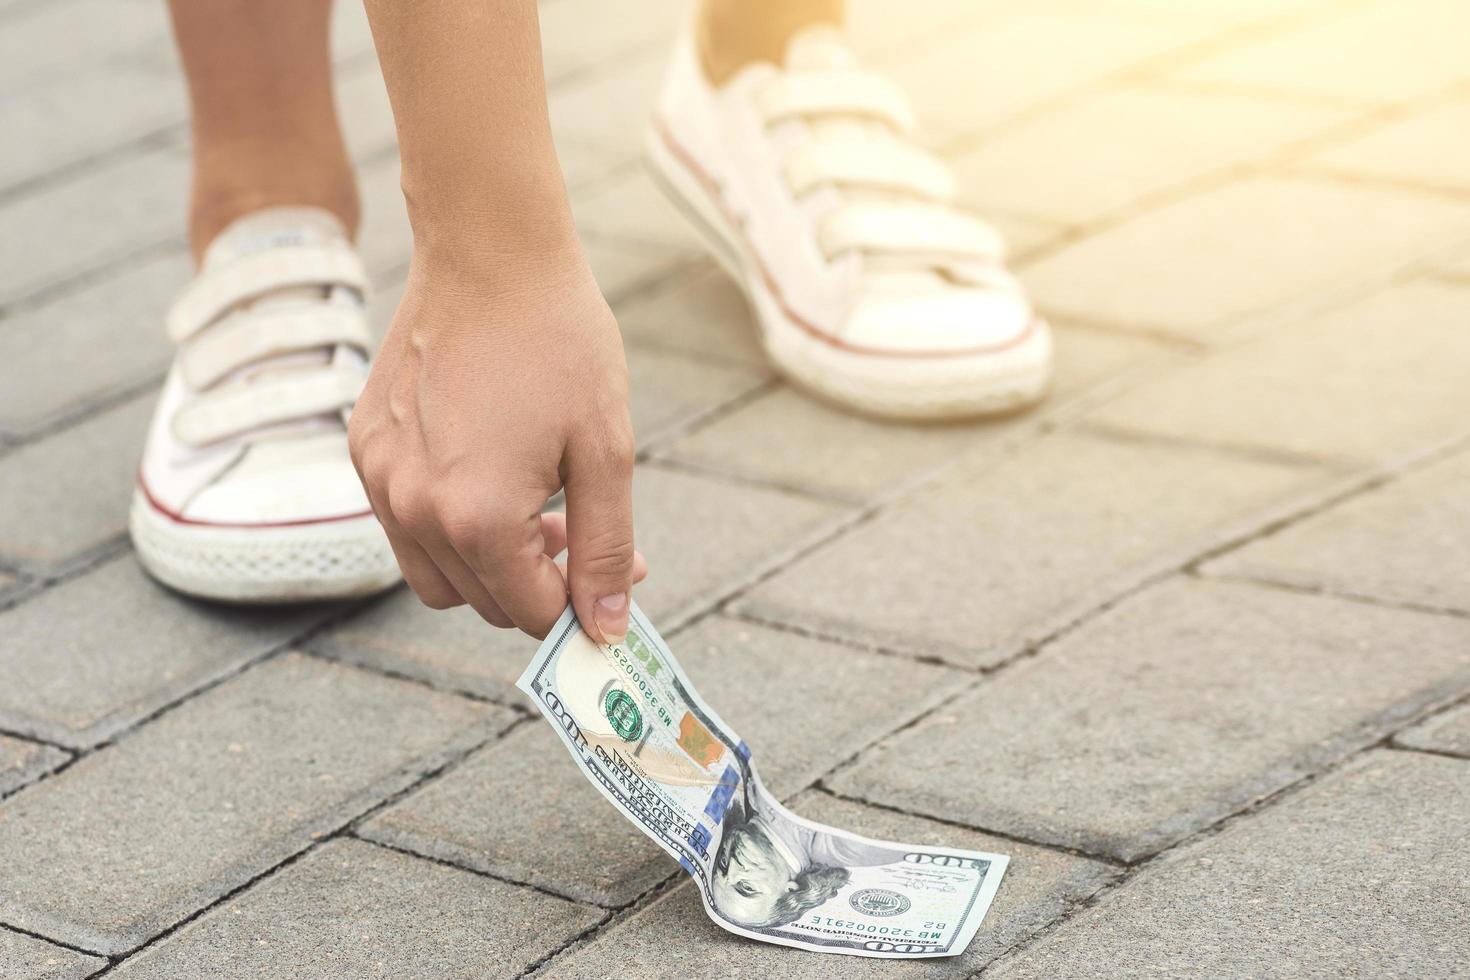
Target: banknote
column 642, row 735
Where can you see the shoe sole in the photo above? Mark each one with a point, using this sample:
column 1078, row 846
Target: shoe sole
column 337, row 559
column 946, row 387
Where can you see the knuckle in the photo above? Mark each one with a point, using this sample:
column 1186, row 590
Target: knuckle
column 607, row 553
column 412, row 509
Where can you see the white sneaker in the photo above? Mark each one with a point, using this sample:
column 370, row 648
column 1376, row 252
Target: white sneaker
column 246, row 492
column 868, row 286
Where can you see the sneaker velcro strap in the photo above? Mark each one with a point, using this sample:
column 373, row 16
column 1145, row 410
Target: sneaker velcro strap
column 914, row 229
column 270, row 400
column 253, row 335
column 250, row 276
column 873, row 162
column 835, row 92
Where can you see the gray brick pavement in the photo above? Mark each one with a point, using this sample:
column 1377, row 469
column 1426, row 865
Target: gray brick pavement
column 143, row 834
column 823, row 449
column 23, row 761
column 69, row 496
column 86, row 224
column 802, row 705
column 351, row 909
column 1130, row 137
column 1361, row 874
column 1224, row 193
column 1209, row 261
column 1167, row 713
column 671, row 938
column 24, row 957
column 105, row 338
column 1403, row 542
column 1008, row 548
column 106, row 649
column 1448, row 732
column 1374, row 380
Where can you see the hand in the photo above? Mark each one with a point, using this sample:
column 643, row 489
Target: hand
column 487, row 397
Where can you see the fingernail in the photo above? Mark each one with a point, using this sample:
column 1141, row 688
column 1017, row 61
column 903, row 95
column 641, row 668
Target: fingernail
column 611, row 613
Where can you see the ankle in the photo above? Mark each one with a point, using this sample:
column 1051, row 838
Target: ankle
column 222, row 195
column 734, row 33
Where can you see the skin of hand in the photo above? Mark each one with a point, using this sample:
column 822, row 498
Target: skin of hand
column 502, row 378
column 485, row 400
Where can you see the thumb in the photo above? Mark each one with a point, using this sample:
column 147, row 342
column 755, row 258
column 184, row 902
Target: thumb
column 599, row 494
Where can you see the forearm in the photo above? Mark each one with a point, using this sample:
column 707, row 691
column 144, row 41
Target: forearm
column 480, row 174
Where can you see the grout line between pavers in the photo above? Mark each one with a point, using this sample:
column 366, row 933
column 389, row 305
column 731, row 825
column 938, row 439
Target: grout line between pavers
column 75, row 566
column 664, row 438
column 1215, row 829
column 82, row 412
column 1263, row 580
column 1427, row 750
column 343, row 830
column 1108, row 432
column 352, row 834
column 1170, row 58
column 1116, row 864
column 307, row 649
column 55, row 942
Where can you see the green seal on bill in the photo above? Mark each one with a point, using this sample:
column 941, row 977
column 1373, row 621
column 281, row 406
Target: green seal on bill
column 623, row 712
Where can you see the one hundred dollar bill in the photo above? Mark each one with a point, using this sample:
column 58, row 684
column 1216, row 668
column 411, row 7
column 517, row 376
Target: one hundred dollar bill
column 643, row 736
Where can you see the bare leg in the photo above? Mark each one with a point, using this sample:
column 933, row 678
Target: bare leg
column 264, row 123
column 734, row 33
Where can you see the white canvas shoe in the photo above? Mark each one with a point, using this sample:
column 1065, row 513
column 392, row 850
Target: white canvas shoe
column 246, row 492
column 869, row 287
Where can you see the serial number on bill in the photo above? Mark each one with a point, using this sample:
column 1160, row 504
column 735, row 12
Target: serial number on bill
column 873, row 928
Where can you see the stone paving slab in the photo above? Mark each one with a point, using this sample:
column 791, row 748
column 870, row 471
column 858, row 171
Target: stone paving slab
column 1362, row 874
column 1429, row 148
column 453, row 650
column 133, row 838
column 998, row 67
column 1379, row 379
column 1009, row 547
column 351, row 909
column 1168, row 712
column 1403, row 542
column 104, row 338
column 699, row 312
column 1197, row 266
column 83, row 114
column 95, row 31
column 67, row 496
column 802, row 704
column 26, row 958
column 1130, row 138
column 624, row 268
column 701, row 536
column 104, row 650
column 22, row 761
column 1378, row 53
column 628, row 206
column 521, row 810
column 1448, row 732
column 85, row 223
column 672, row 938
column 578, row 35
column 670, row 390
column 608, row 111
column 789, row 438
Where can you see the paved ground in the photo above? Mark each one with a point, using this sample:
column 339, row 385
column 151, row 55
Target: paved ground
column 1192, row 643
